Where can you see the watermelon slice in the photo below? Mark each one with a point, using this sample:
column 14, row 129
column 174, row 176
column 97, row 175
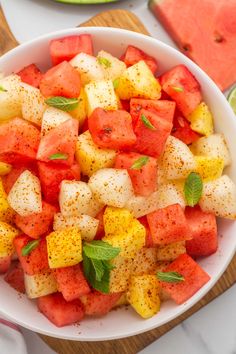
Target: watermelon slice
column 15, row 278
column 99, row 304
column 205, row 30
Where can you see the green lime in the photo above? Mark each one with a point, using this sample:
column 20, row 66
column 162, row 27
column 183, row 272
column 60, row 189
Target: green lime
column 232, row 99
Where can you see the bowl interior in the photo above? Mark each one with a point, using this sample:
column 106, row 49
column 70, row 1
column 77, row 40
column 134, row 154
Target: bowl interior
column 125, row 322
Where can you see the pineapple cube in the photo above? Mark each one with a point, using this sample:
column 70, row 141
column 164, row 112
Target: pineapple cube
column 64, row 247
column 33, row 104
column 111, row 186
column 219, row 197
column 169, row 194
column 116, row 220
column 178, row 160
column 119, row 276
column 145, row 261
column 138, row 81
column 170, row 252
column 80, row 112
column 25, row 196
column 74, row 198
column 143, row 295
column 111, row 66
column 40, row 284
column 141, row 206
column 100, row 94
column 5, row 168
column 129, row 241
column 88, row 67
column 10, row 99
column 7, row 235
column 213, row 145
column 6, row 212
column 52, row 117
column 209, row 167
column 90, row 157
column 201, row 120
column 86, row 224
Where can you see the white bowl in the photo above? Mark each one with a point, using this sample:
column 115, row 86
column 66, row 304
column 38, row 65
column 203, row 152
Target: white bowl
column 123, row 323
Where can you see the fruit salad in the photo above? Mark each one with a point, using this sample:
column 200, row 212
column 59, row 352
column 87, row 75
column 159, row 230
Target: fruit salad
column 112, row 177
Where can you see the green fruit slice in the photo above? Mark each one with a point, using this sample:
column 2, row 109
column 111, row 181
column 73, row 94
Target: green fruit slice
column 232, row 99
column 85, row 2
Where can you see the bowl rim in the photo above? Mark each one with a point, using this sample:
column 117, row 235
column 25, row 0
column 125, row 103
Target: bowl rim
column 198, row 71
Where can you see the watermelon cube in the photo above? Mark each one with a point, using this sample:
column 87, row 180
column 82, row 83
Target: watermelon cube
column 182, row 130
column 15, row 277
column 203, row 230
column 133, row 55
column 168, row 225
column 59, row 311
column 96, row 303
column 71, row 282
column 31, row 75
column 5, row 263
column 194, row 278
column 100, row 230
column 149, row 240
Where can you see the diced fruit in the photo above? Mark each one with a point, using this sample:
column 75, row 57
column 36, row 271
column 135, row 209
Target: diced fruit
column 182, row 130
column 19, row 141
column 10, row 100
column 116, row 220
column 201, row 120
column 122, row 301
column 5, row 263
column 10, row 179
column 68, row 47
column 86, row 224
column 111, row 186
column 112, row 67
column 149, row 241
column 203, row 230
column 5, row 168
column 98, row 304
column 40, row 284
column 25, row 195
column 213, row 145
column 168, row 225
column 61, row 80
column 6, row 212
column 80, row 112
column 100, row 230
column 183, row 88
column 161, row 175
column 37, row 260
column 71, row 282
column 178, row 161
column 100, row 94
column 209, row 167
column 88, row 68
column 74, row 198
column 133, row 55
column 130, row 240
column 119, row 276
column 163, row 108
column 111, row 129
column 143, row 179
column 91, row 157
column 15, row 278
column 138, row 81
column 145, row 261
column 141, row 206
column 36, row 224
column 219, row 197
column 143, row 295
column 95, row 207
column 169, row 194
column 171, row 251
column 64, row 247
column 151, row 141
column 194, row 279
column 60, row 140
column 51, row 176
column 59, row 311
column 31, row 75
column 52, row 118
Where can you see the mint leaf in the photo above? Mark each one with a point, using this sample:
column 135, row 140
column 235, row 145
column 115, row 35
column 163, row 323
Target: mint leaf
column 104, row 284
column 193, row 189
column 104, row 62
column 170, row 277
column 2, row 89
column 108, row 265
column 147, row 122
column 177, row 89
column 99, row 268
column 62, row 103
column 58, row 156
column 27, row 249
column 116, row 83
column 139, row 163
column 87, row 266
column 100, row 250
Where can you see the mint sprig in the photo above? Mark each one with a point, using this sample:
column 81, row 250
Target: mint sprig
column 58, row 156
column 139, row 163
column 104, row 62
column 193, row 189
column 27, row 249
column 170, row 277
column 147, row 122
column 62, row 103
column 177, row 89
column 116, row 83
column 2, row 89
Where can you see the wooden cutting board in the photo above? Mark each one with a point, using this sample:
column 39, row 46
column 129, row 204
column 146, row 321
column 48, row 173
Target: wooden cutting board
column 131, row 345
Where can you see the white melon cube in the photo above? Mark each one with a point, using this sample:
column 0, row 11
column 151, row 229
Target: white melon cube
column 219, row 197
column 111, row 186
column 74, row 198
column 86, row 224
column 88, row 67
column 53, row 117
column 33, row 104
column 95, row 207
column 10, row 97
column 178, row 160
column 40, row 284
column 112, row 67
column 25, row 196
column 141, row 206
column 169, row 194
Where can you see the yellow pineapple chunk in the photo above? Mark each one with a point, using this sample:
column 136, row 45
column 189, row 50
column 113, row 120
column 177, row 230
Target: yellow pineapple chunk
column 145, row 261
column 100, row 94
column 6, row 212
column 90, row 157
column 143, row 295
column 171, row 252
column 209, row 167
column 5, row 168
column 201, row 120
column 7, row 235
column 119, row 276
column 64, row 247
column 116, row 220
column 80, row 112
column 138, row 81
